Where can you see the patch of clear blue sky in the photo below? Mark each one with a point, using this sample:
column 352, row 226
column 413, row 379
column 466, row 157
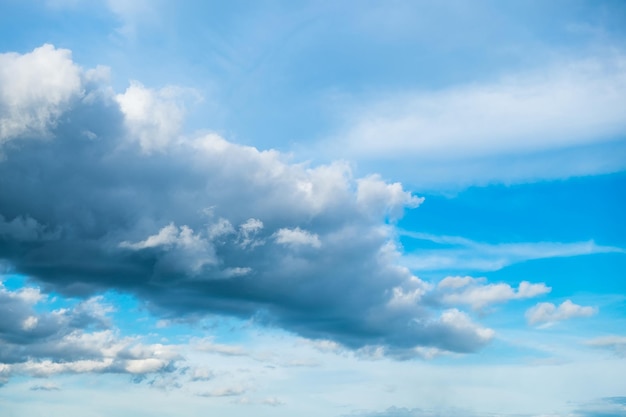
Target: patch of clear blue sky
column 577, row 209
column 566, row 211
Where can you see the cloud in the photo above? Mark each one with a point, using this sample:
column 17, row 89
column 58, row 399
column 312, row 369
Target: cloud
column 78, row 339
column 412, row 412
column 604, row 407
column 181, row 245
column 376, row 196
column 207, row 345
column 45, row 387
column 224, row 392
column 547, row 314
column 617, row 344
column 196, row 224
column 37, row 88
column 24, row 228
column 272, row 401
column 153, row 117
column 131, row 14
column 473, row 291
column 499, row 131
column 297, row 237
column 201, row 374
column 458, row 253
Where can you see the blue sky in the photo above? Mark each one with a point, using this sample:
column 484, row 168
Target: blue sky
column 364, row 209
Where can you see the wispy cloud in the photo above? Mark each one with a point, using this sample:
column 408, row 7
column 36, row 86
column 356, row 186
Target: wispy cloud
column 224, row 392
column 458, row 253
column 571, row 104
column 614, row 343
column 603, row 407
column 45, row 387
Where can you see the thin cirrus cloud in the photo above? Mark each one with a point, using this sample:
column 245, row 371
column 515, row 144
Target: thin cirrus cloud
column 511, row 130
column 614, row 343
column 458, row 253
column 198, row 224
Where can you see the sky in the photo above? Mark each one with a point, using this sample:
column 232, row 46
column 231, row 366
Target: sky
column 342, row 209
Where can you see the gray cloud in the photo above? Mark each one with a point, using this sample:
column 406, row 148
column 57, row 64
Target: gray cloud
column 198, row 224
column 614, row 343
column 224, row 392
column 604, row 407
column 69, row 340
column 413, row 412
column 45, row 387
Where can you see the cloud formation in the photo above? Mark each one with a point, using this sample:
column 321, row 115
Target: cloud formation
column 36, row 89
column 514, row 129
column 603, row 407
column 547, row 314
column 518, row 114
column 412, row 412
column 79, row 339
column 475, row 293
column 458, row 253
column 115, row 198
column 614, row 343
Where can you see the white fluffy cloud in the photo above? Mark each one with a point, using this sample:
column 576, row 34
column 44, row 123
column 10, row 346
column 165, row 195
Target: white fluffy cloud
column 477, row 294
column 190, row 250
column 297, row 237
column 37, row 87
column 76, row 339
column 547, row 314
column 153, row 117
column 376, row 196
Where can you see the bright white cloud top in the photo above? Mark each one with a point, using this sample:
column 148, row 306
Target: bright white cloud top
column 280, row 209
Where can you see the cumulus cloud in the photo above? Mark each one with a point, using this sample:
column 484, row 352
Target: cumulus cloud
column 477, row 294
column 79, row 339
column 37, row 87
column 181, row 246
column 376, row 196
column 197, row 224
column 153, row 117
column 547, row 314
column 297, row 237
